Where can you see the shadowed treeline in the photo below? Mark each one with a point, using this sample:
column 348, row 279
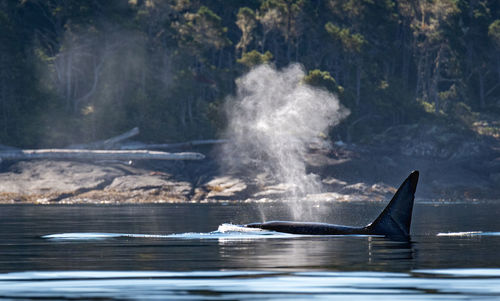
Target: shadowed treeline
column 73, row 71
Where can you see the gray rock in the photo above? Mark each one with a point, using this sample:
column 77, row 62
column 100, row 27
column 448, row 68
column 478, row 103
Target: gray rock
column 44, row 177
column 225, row 187
column 135, row 182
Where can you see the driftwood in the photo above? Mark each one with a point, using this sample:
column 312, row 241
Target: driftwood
column 108, row 143
column 97, row 154
column 110, row 149
column 114, row 143
column 174, row 145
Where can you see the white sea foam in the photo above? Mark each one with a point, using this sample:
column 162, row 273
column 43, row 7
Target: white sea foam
column 225, row 228
column 225, row 231
column 469, row 233
column 98, row 236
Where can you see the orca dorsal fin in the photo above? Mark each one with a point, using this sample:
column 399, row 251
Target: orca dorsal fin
column 395, row 220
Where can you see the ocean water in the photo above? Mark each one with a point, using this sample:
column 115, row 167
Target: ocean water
column 198, row 252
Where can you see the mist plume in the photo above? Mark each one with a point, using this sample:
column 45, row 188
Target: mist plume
column 272, row 120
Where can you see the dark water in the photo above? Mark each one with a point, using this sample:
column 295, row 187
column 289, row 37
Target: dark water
column 176, row 252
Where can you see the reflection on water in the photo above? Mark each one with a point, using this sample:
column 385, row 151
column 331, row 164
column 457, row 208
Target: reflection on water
column 251, row 285
column 173, row 251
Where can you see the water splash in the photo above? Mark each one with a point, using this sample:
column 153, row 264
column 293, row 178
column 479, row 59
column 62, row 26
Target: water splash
column 224, row 232
column 98, row 236
column 468, row 234
column 272, row 121
column 228, row 228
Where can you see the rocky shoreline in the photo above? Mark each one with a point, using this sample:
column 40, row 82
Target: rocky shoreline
column 347, row 172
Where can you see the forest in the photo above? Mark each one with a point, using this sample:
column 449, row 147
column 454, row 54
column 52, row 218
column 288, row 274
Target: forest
column 80, row 71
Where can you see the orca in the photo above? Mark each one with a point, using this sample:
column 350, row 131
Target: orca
column 393, row 222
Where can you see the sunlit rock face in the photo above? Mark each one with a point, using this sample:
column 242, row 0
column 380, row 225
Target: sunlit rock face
column 43, row 176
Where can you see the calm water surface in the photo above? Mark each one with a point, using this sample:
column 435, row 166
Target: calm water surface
column 186, row 252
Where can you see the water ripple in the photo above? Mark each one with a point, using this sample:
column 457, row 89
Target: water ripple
column 224, row 231
column 252, row 285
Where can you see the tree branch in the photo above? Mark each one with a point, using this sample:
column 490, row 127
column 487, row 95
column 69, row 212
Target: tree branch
column 176, row 145
column 108, row 143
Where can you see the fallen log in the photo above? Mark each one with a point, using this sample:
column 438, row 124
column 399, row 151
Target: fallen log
column 108, row 143
column 97, row 154
column 174, row 145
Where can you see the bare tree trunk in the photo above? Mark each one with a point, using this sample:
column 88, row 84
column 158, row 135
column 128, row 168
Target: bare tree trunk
column 358, row 84
column 190, row 110
column 337, row 71
column 69, row 67
column 276, row 49
column 482, row 102
column 288, row 30
column 498, row 67
column 297, row 50
column 3, row 94
column 405, row 68
column 182, row 115
column 426, row 78
column 289, row 51
column 436, row 78
column 93, row 88
column 263, row 41
column 219, row 58
column 345, row 73
column 418, row 84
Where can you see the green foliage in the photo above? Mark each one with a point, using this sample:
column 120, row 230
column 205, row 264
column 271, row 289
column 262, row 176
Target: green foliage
column 463, row 114
column 73, row 71
column 246, row 22
column 494, row 32
column 323, row 79
column 349, row 42
column 201, row 30
column 255, row 58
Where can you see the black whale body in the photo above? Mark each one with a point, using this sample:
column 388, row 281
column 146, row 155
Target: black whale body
column 393, row 222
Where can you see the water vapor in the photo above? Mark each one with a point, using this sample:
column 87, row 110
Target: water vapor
column 272, row 120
